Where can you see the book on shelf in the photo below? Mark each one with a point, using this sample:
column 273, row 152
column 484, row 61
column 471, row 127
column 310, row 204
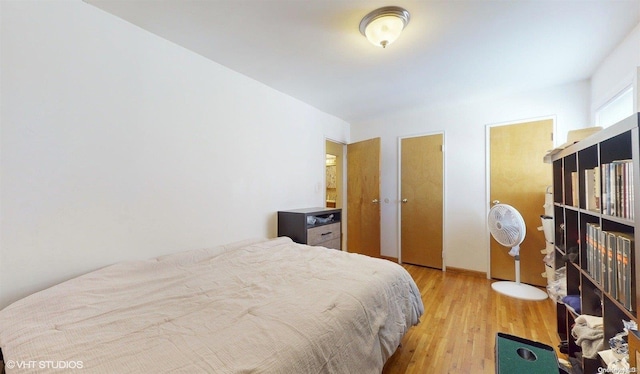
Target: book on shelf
column 620, row 275
column 592, row 249
column 592, row 189
column 625, row 246
column 617, row 189
column 589, row 247
column 602, row 259
column 575, row 198
column 612, row 240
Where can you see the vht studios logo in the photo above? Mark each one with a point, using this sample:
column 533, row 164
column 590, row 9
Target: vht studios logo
column 50, row 364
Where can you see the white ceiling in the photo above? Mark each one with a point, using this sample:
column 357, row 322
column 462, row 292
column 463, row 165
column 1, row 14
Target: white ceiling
column 452, row 50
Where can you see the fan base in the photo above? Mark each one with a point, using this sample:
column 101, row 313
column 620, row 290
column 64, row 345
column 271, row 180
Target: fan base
column 519, row 290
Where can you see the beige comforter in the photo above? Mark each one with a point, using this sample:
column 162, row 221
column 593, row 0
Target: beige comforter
column 269, row 306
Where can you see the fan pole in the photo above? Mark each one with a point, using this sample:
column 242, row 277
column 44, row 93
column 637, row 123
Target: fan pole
column 517, row 289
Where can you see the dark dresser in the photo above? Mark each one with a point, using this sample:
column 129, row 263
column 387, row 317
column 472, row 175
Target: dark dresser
column 312, row 226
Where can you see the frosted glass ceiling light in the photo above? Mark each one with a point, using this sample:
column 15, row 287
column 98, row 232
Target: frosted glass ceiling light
column 384, row 25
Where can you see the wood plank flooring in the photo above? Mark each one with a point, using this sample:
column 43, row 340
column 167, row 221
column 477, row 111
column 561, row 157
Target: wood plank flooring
column 462, row 316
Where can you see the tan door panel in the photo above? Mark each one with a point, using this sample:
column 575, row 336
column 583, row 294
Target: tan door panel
column 519, row 177
column 422, row 200
column 363, row 197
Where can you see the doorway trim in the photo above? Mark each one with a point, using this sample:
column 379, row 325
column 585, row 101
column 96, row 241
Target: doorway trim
column 487, row 169
column 444, row 194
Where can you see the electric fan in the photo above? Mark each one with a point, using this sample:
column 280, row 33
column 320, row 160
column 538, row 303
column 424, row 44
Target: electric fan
column 508, row 228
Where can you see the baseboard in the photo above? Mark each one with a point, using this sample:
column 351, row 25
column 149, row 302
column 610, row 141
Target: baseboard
column 474, row 273
column 392, row 259
column 450, row 269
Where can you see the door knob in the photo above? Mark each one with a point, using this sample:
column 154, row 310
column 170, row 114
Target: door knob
column 375, row 201
column 404, row 201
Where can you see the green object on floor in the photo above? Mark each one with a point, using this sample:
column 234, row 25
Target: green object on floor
column 519, row 355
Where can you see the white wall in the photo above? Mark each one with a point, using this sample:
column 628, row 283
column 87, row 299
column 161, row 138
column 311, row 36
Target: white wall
column 466, row 236
column 619, row 70
column 118, row 145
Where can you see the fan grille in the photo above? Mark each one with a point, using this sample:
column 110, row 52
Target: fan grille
column 506, row 225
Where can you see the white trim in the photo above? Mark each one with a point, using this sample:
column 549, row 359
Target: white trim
column 488, row 171
column 599, row 102
column 629, row 85
column 444, row 193
column 399, row 202
column 618, row 95
column 636, row 90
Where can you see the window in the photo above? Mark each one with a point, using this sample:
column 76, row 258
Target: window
column 618, row 108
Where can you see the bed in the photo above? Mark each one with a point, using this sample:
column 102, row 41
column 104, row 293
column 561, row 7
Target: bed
column 258, row 306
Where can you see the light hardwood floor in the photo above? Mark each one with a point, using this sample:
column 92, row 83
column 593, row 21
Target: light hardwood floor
column 462, row 316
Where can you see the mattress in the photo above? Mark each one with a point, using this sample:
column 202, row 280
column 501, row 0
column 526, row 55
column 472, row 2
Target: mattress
column 259, row 306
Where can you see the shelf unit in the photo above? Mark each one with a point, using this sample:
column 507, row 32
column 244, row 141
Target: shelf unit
column 574, row 212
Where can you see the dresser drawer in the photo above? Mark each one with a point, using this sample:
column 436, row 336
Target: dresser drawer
column 321, row 234
column 333, row 244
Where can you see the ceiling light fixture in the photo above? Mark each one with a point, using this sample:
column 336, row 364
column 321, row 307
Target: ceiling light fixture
column 384, row 25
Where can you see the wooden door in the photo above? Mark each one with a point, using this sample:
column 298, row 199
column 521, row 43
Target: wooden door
column 422, row 200
column 363, row 197
column 519, row 177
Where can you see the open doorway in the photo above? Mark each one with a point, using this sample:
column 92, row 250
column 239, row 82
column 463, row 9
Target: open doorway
column 334, row 174
column 332, row 181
